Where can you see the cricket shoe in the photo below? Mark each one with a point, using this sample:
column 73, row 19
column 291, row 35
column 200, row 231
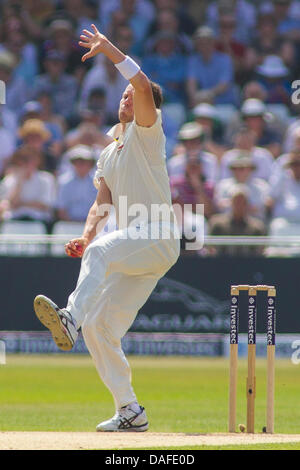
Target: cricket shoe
column 58, row 321
column 126, row 419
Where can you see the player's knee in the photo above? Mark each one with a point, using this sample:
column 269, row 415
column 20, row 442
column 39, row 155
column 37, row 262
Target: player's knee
column 94, row 251
column 88, row 326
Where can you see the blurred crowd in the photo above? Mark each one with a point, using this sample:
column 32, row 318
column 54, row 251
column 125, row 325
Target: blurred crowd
column 230, row 75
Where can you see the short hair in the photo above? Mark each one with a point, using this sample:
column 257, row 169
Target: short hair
column 157, row 94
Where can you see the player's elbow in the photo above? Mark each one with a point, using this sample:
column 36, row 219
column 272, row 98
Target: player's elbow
column 141, row 83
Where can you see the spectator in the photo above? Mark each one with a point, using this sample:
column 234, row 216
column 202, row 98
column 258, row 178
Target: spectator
column 285, row 191
column 237, row 222
column 255, row 118
column 273, row 76
column 29, row 18
column 8, row 145
column 292, row 132
column 123, row 38
column 61, row 86
column 29, row 192
column 8, row 118
column 243, row 11
column 186, row 23
column 61, row 38
column 253, row 89
column 288, row 26
column 41, row 110
column 74, row 11
column 192, row 187
column 76, row 191
column 210, row 71
column 207, row 116
column 268, row 41
column 88, row 132
column 35, row 135
column 128, row 13
column 227, row 44
column 16, row 92
column 106, row 74
column 245, row 142
column 16, row 41
column 191, row 137
column 242, row 168
column 89, row 15
column 280, row 164
column 168, row 68
column 106, row 9
column 276, row 116
column 167, row 21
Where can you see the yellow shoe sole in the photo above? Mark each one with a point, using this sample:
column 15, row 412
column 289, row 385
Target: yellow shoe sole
column 48, row 316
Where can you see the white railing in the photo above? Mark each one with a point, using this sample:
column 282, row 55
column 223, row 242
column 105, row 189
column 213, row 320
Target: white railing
column 208, row 241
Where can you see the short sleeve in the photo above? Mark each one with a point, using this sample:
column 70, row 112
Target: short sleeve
column 152, row 140
column 99, row 171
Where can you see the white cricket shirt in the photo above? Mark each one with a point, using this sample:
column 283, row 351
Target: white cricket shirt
column 135, row 167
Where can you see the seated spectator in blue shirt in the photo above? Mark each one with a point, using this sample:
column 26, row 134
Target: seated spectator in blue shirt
column 210, row 71
column 288, row 26
column 61, row 86
column 76, row 191
column 167, row 67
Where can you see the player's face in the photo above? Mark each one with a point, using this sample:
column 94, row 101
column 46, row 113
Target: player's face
column 126, row 113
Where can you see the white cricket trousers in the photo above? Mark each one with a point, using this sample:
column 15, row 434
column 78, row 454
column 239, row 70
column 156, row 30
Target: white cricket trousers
column 117, row 275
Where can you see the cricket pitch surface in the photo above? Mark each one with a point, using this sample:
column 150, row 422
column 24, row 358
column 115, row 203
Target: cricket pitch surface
column 12, row 440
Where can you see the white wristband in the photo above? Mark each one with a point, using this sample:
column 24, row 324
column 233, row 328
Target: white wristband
column 128, row 68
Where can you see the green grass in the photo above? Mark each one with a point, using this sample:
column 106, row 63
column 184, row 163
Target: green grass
column 286, row 446
column 190, row 395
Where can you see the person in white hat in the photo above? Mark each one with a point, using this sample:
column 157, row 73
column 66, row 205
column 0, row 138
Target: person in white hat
column 255, row 118
column 244, row 141
column 207, row 116
column 192, row 143
column 274, row 76
column 120, row 270
column 242, row 168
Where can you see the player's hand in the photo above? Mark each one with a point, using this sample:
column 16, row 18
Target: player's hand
column 76, row 247
column 95, row 41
